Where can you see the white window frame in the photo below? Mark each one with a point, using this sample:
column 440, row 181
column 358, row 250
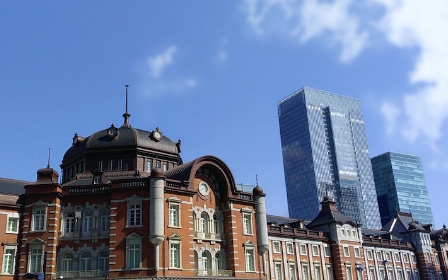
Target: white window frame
column 348, row 272
column 39, row 217
column 175, row 256
column 317, row 272
column 105, row 220
column 134, row 212
column 9, row 257
column 120, row 165
column 85, row 261
column 165, row 167
column 315, row 250
column 405, row 257
column 148, row 165
column 305, row 271
column 87, row 221
column 292, row 271
column 36, row 258
column 69, row 223
column 249, row 253
column 247, row 222
column 369, row 255
column 302, row 249
column 276, row 246
column 346, row 251
column 110, row 165
column 278, row 270
column 11, row 218
column 101, row 166
column 174, row 213
column 327, row 251
column 133, row 251
column 357, row 252
column 289, row 248
column 66, row 262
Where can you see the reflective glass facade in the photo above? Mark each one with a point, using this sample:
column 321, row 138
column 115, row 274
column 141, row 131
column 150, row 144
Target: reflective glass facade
column 324, row 148
column 400, row 185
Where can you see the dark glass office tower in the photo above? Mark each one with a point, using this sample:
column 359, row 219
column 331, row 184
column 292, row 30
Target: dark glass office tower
column 324, row 148
column 400, row 185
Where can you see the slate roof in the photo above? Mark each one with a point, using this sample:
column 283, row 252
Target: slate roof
column 12, row 186
column 279, row 220
column 9, row 199
column 406, row 220
column 127, row 137
column 329, row 214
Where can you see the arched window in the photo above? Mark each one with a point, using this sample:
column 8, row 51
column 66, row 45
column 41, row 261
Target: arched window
column 69, row 222
column 86, row 261
column 216, row 224
column 206, row 263
column 204, row 223
column 219, row 261
column 105, row 220
column 87, row 221
column 103, row 263
column 67, row 262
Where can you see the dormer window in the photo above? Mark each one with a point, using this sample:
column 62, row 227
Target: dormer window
column 97, row 179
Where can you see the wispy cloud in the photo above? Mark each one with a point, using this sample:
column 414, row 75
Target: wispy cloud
column 161, row 83
column 306, row 20
column 415, row 24
column 159, row 62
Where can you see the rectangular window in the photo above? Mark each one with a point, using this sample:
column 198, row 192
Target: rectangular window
column 148, row 165
column 278, row 271
column 346, row 252
column 372, row 273
column 247, row 223
column 39, row 219
column 379, row 257
column 110, row 165
column 292, row 272
column 174, row 215
column 157, row 164
column 134, row 253
column 8, row 260
column 12, row 225
column 399, row 274
column 348, row 271
column 289, row 248
column 330, row 273
column 397, row 257
column 250, row 262
column 414, row 259
column 134, row 214
column 303, row 249
column 327, row 251
column 175, row 255
column 35, row 265
column 315, row 250
column 388, row 256
column 100, row 166
column 317, row 272
column 305, row 271
column 357, row 253
column 120, row 165
column 406, row 258
column 369, row 255
column 276, row 246
column 165, row 167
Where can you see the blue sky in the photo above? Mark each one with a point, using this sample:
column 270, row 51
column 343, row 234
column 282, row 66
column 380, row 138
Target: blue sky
column 211, row 73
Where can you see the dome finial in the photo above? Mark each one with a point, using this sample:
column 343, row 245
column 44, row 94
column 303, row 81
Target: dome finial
column 126, row 115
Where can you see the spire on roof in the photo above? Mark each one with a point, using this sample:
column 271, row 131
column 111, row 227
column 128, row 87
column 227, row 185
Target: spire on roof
column 48, row 164
column 126, row 115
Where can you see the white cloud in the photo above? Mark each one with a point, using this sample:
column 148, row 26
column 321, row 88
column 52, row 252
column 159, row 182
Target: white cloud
column 190, row 83
column 415, row 24
column 390, row 113
column 422, row 25
column 309, row 19
column 159, row 62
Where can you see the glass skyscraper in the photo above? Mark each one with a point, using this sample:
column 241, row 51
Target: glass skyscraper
column 400, row 185
column 324, row 148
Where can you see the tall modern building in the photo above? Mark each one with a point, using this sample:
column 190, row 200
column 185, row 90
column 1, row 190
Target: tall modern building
column 400, row 185
column 325, row 151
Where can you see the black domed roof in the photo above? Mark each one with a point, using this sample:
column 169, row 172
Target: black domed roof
column 126, row 136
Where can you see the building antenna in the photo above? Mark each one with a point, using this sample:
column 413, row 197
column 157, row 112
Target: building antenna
column 49, row 154
column 126, row 115
column 256, row 179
